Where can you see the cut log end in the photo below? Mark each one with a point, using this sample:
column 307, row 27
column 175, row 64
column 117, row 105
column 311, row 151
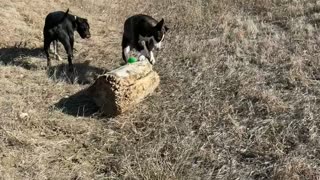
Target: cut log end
column 119, row 90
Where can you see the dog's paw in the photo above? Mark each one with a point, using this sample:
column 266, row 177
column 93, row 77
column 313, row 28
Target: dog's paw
column 58, row 58
column 142, row 58
column 152, row 61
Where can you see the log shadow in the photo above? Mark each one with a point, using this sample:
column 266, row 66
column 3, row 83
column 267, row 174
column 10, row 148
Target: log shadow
column 82, row 104
column 79, row 104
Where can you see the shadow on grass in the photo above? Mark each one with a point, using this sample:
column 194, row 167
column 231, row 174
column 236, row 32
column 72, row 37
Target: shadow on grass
column 83, row 73
column 83, row 103
column 79, row 104
column 14, row 56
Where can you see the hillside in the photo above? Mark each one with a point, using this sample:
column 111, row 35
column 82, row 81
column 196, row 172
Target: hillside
column 239, row 96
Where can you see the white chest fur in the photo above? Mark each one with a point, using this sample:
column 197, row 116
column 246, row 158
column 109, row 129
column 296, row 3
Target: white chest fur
column 146, row 39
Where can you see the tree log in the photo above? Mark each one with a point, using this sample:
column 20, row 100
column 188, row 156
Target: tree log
column 119, row 90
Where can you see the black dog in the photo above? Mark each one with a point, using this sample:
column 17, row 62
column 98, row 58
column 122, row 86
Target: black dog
column 60, row 26
column 143, row 33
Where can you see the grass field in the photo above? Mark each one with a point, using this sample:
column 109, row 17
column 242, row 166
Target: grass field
column 239, row 96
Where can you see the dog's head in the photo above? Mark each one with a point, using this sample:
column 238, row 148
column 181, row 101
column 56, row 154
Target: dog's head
column 159, row 32
column 83, row 27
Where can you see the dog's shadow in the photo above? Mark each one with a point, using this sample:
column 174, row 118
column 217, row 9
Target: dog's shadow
column 15, row 56
column 79, row 104
column 19, row 55
column 83, row 73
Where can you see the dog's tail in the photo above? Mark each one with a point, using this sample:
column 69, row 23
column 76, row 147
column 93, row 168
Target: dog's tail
column 64, row 16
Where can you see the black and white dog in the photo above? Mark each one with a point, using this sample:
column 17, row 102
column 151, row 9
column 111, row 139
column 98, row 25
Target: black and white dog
column 142, row 33
column 60, row 26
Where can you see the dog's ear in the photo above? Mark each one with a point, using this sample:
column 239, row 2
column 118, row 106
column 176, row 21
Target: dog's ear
column 87, row 22
column 166, row 28
column 160, row 24
column 67, row 12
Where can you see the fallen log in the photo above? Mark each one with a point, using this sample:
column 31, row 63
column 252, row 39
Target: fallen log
column 119, row 90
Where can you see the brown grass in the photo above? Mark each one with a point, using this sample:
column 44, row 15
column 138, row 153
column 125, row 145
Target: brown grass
column 238, row 99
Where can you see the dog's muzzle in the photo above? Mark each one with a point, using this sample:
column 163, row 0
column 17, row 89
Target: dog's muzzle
column 85, row 36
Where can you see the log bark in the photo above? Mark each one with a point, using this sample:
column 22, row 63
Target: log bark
column 119, row 90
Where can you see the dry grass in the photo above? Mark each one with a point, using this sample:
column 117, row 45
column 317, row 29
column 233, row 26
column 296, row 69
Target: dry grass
column 239, row 94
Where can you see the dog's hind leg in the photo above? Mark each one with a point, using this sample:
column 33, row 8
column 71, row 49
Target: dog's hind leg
column 125, row 53
column 46, row 48
column 125, row 49
column 55, row 48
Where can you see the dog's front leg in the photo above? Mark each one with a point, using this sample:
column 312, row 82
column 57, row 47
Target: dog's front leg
column 143, row 54
column 148, row 53
column 152, row 59
column 46, row 48
column 67, row 43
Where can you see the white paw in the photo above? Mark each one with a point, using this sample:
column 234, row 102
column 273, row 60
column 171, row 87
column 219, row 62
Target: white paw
column 152, row 60
column 142, row 58
column 58, row 58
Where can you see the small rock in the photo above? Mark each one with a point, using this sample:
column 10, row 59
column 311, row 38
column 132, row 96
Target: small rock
column 23, row 116
column 42, row 134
